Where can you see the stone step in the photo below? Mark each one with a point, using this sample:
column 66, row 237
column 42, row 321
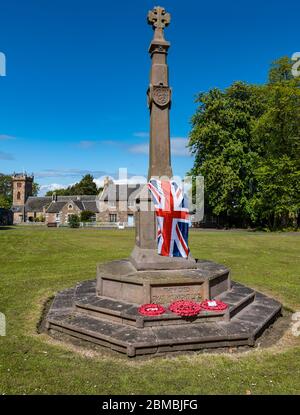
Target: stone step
column 237, row 298
column 262, row 312
column 134, row 341
column 87, row 302
column 243, row 329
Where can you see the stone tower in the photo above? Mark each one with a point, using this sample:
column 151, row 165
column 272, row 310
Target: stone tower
column 22, row 189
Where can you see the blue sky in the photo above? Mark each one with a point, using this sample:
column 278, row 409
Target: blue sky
column 74, row 98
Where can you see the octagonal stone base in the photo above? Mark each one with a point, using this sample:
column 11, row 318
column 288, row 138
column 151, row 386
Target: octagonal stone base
column 105, row 311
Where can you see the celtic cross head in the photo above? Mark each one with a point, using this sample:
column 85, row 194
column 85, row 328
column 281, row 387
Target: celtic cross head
column 158, row 18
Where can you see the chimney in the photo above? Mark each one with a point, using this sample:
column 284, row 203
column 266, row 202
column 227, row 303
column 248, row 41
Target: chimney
column 54, row 197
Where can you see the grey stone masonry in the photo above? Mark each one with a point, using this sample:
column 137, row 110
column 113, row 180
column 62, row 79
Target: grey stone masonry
column 117, row 325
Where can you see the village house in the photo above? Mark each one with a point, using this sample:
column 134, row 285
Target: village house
column 116, row 203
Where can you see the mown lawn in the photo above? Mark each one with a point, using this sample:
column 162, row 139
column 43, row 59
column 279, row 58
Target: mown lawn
column 35, row 263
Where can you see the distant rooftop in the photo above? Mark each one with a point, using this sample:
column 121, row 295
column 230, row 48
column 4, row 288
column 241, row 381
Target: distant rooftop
column 119, row 192
column 37, row 203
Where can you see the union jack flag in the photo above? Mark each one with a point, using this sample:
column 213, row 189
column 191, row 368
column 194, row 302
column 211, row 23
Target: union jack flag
column 172, row 218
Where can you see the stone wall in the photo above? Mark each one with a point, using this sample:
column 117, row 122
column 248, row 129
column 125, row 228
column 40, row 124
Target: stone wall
column 18, row 217
column 120, row 209
column 31, row 216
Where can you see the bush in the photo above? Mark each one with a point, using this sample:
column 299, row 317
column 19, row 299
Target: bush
column 74, row 221
column 86, row 216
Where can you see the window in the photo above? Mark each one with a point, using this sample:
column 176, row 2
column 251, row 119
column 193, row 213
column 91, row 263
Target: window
column 70, row 206
column 18, row 196
column 19, row 184
column 113, row 217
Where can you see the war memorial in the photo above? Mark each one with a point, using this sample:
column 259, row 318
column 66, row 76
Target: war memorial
column 106, row 311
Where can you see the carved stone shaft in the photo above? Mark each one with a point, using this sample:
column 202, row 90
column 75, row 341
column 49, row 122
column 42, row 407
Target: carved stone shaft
column 159, row 98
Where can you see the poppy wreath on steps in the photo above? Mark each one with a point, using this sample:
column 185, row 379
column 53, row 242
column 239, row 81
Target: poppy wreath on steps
column 151, row 309
column 185, row 308
column 213, row 305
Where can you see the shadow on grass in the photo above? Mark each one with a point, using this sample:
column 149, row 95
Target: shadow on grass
column 7, row 228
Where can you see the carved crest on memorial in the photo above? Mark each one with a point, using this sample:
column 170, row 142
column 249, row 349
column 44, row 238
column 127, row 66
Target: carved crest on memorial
column 160, row 94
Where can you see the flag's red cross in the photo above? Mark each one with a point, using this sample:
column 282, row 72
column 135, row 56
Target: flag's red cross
column 168, row 214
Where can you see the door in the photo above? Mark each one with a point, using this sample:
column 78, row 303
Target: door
column 130, row 220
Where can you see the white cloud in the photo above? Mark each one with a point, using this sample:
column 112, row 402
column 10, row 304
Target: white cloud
column 110, row 142
column 87, row 144
column 140, row 149
column 178, row 147
column 6, row 156
column 50, row 187
column 141, row 134
column 6, row 137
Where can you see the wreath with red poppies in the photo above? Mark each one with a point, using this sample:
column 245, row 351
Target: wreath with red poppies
column 151, row 309
column 213, row 305
column 185, row 308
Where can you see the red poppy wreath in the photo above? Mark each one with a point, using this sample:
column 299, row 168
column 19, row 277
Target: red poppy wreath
column 185, row 308
column 151, row 309
column 213, row 305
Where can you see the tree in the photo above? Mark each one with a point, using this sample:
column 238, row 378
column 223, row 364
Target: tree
column 86, row 216
column 224, row 149
column 86, row 186
column 74, row 221
column 278, row 130
column 276, row 200
column 4, row 202
column 59, row 192
column 5, row 191
column 281, row 70
column 246, row 141
column 35, row 189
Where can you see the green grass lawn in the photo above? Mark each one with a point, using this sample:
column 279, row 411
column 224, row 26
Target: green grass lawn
column 35, row 263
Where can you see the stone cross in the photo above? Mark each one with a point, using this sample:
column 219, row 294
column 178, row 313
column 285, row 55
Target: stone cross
column 158, row 18
column 159, row 96
column 159, row 102
column 144, row 255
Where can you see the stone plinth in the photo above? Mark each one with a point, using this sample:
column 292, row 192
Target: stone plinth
column 120, row 280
